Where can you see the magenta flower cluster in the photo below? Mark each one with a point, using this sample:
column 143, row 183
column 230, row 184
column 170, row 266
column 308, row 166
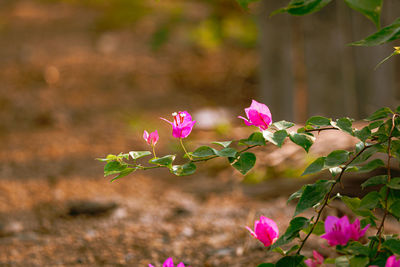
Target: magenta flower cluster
column 182, row 124
column 151, row 138
column 392, row 262
column 338, row 231
column 265, row 230
column 316, row 261
column 258, row 115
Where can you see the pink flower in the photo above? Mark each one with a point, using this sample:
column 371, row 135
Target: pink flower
column 355, row 230
column 337, row 230
column 265, row 230
column 182, row 124
column 151, row 138
column 340, row 231
column 258, row 115
column 316, row 261
column 169, row 263
column 392, row 262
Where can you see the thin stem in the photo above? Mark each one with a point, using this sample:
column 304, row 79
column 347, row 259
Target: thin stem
column 216, row 156
column 247, row 148
column 154, row 152
column 184, row 149
column 381, row 226
column 327, row 197
column 206, row 159
column 321, row 129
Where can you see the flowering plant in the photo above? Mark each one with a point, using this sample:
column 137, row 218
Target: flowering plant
column 361, row 243
column 380, row 135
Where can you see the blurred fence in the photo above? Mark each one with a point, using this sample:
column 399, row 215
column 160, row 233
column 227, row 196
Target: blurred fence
column 307, row 68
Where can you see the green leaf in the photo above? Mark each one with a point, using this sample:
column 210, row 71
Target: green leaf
column 380, row 113
column 182, row 170
column 354, row 204
column 313, row 194
column 386, row 34
column 344, row 124
column 363, row 134
column 359, row 261
column 245, row 3
column 222, row 143
column 318, row 121
column 369, row 201
column 395, row 208
column 303, row 140
column 372, row 165
column 292, row 249
column 375, row 124
column 296, row 194
column 396, row 52
column 226, row 152
column 295, row 226
column 203, row 151
column 376, row 180
column 279, row 250
column 394, row 183
column 139, row 154
column 359, row 146
column 316, row 166
column 366, row 154
column 318, row 230
column 291, row 261
column 122, row 156
column 369, row 8
column 336, row 158
column 282, row 125
column 245, row 162
column 114, row 167
column 255, row 139
column 393, row 245
column 266, row 265
column 302, row 7
column 164, row 161
column 342, row 261
column 109, row 157
column 277, row 138
column 354, row 248
column 123, row 173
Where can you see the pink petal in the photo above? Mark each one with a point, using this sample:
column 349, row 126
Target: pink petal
column 257, row 119
column 187, row 116
column 336, row 238
column 261, row 108
column 183, row 132
column 319, row 259
column 247, row 122
column 146, row 136
column 251, row 231
column 391, row 261
column 180, row 265
column 330, row 223
column 153, row 138
column 167, row 121
column 168, row 263
column 151, row 265
column 266, row 231
column 270, row 223
column 310, row 263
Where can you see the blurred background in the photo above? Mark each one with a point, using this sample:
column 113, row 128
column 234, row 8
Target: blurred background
column 81, row 79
